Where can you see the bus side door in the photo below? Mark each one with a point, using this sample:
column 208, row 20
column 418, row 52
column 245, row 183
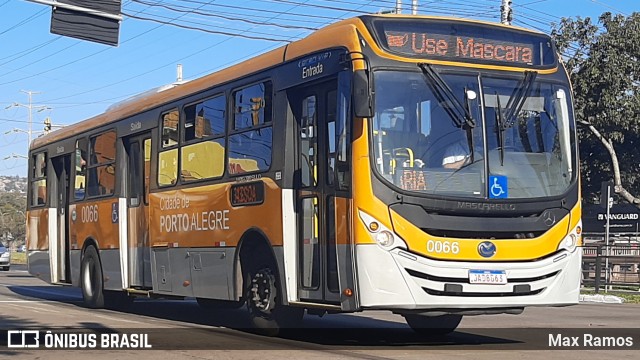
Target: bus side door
column 138, row 152
column 322, row 213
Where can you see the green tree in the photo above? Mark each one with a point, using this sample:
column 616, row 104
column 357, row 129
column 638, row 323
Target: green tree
column 604, row 62
column 12, row 217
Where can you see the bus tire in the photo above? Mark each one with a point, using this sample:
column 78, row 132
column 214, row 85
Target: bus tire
column 91, row 280
column 266, row 312
column 433, row 325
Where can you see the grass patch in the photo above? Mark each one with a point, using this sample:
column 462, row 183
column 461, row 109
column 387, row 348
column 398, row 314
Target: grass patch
column 629, row 298
column 18, row 258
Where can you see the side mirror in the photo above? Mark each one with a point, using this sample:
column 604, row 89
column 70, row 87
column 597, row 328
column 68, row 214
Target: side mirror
column 362, row 97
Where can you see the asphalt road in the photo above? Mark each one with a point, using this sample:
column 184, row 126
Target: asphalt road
column 190, row 332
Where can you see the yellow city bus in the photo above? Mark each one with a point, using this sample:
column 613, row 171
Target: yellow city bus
column 426, row 166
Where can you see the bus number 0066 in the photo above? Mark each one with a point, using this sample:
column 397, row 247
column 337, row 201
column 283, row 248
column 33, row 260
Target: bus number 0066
column 443, row 247
column 89, row 214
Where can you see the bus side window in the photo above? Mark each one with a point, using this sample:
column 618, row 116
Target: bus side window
column 101, row 168
column 39, row 182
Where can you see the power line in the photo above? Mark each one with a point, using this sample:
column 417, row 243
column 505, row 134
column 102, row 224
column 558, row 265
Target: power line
column 609, row 7
column 268, row 11
column 170, row 63
column 25, row 21
column 226, row 17
column 82, row 58
column 204, row 30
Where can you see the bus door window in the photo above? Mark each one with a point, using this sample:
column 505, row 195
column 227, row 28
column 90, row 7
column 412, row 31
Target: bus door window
column 147, row 169
column 331, row 141
column 331, row 136
column 310, row 249
column 39, row 182
column 134, row 174
column 168, row 159
column 80, row 169
column 308, row 145
column 341, row 134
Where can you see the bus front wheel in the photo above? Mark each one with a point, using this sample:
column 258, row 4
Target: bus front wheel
column 91, row 279
column 268, row 316
column 433, row 325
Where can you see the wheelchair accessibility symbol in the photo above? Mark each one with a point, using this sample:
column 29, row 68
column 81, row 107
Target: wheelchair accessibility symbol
column 498, row 188
column 114, row 213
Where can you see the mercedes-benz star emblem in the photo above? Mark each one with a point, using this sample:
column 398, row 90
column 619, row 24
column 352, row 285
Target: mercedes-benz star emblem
column 487, row 249
column 549, row 218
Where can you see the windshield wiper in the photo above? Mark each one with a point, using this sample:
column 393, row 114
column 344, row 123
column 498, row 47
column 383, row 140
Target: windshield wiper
column 460, row 114
column 514, row 106
column 517, row 100
column 500, row 126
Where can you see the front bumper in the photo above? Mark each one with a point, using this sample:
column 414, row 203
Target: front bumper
column 398, row 279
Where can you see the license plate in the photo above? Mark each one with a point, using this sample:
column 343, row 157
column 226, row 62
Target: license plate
column 493, row 277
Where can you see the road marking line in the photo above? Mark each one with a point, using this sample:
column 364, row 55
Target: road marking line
column 116, row 319
column 24, row 307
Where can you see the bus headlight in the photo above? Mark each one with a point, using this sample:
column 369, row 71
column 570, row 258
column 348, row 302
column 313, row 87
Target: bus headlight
column 384, row 237
column 571, row 241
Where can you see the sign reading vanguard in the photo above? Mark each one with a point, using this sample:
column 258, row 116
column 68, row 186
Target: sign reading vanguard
column 623, row 218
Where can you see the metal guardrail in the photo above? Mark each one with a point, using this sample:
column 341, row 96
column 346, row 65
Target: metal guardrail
column 611, row 266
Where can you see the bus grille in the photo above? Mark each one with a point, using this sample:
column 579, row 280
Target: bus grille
column 453, row 286
column 422, row 275
column 481, row 294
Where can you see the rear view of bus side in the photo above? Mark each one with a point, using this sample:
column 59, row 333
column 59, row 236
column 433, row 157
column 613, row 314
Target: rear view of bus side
column 426, row 166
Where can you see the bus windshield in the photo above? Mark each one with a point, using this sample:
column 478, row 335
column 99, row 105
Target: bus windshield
column 519, row 142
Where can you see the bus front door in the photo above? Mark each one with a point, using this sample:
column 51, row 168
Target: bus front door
column 314, row 110
column 138, row 152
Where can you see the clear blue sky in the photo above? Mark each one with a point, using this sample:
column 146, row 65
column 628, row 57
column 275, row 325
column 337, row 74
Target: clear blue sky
column 77, row 79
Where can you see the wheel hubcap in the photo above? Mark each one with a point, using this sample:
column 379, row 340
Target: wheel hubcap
column 88, row 284
column 261, row 291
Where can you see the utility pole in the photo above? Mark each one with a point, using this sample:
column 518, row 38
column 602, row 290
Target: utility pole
column 398, row 6
column 30, row 107
column 506, row 13
column 414, row 7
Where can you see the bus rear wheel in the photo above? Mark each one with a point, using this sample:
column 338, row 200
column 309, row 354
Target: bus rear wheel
column 91, row 279
column 267, row 314
column 433, row 325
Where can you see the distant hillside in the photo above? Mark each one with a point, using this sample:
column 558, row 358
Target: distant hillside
column 13, row 184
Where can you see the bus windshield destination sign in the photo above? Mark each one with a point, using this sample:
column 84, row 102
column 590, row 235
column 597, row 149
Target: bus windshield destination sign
column 462, row 41
column 459, row 47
